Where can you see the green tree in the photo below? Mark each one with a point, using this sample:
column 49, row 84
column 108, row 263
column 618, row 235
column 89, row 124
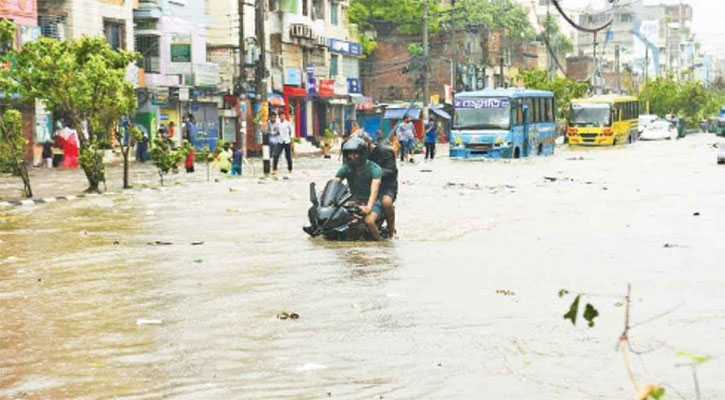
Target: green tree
column 83, row 78
column 165, row 158
column 564, row 89
column 506, row 15
column 560, row 43
column 13, row 146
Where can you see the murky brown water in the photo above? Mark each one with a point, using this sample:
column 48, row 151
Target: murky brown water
column 416, row 318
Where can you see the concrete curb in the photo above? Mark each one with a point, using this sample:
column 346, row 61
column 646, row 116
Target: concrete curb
column 46, row 200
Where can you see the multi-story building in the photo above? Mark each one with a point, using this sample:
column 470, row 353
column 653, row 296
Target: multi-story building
column 313, row 62
column 71, row 19
column 175, row 77
column 619, row 49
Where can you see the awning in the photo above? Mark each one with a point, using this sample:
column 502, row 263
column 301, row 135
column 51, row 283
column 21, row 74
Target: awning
column 399, row 113
column 439, row 112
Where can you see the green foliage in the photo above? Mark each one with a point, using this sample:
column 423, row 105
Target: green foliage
column 688, row 99
column 13, row 146
column 560, row 43
column 657, row 393
column 696, row 359
column 7, row 31
column 590, row 313
column 507, row 15
column 415, row 49
column 564, row 89
column 165, row 159
column 573, row 310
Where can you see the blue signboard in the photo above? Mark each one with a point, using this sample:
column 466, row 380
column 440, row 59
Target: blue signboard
column 353, row 85
column 292, row 76
column 345, row 47
column 311, row 81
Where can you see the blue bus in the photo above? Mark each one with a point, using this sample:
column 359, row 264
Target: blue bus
column 503, row 123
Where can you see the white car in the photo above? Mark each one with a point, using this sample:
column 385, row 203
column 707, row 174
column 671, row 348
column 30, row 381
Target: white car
column 660, row 129
column 645, row 120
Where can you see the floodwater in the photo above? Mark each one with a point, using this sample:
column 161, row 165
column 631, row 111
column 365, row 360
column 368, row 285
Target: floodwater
column 463, row 305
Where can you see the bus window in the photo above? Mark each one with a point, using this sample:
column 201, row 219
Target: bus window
column 542, row 109
column 549, row 116
column 519, row 113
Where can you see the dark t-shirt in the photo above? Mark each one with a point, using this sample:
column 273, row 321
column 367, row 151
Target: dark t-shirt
column 359, row 181
column 385, row 157
column 237, row 157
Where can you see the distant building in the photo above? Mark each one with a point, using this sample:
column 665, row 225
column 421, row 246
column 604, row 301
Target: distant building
column 176, row 77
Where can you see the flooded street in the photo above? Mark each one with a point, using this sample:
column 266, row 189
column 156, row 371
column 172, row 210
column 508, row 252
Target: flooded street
column 116, row 296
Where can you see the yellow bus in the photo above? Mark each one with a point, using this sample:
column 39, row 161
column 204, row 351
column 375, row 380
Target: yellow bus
column 603, row 121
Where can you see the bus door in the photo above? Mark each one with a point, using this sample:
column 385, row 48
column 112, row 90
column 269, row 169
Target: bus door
column 525, row 142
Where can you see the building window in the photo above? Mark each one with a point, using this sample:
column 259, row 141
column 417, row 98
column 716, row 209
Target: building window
column 334, row 59
column 273, row 5
column 148, row 46
column 625, row 18
column 115, row 32
column 318, row 9
column 305, row 7
column 52, row 26
column 333, row 14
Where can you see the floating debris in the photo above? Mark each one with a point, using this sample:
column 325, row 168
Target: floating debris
column 505, row 292
column 197, row 243
column 142, row 321
column 159, row 243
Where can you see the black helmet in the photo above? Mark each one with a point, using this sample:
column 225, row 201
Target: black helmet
column 355, row 145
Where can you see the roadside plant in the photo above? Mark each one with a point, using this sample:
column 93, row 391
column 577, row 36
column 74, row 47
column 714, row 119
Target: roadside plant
column 13, row 147
column 165, row 158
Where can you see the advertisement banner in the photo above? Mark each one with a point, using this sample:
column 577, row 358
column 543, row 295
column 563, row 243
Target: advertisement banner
column 327, row 88
column 341, row 87
column 354, row 85
column 345, row 47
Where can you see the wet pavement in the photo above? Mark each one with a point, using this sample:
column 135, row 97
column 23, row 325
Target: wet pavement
column 115, row 296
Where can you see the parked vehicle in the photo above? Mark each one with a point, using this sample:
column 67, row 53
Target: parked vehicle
column 645, row 120
column 335, row 216
column 660, row 129
column 716, row 125
column 503, row 123
column 603, row 121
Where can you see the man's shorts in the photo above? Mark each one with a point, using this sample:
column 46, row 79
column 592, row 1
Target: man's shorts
column 390, row 191
column 378, row 207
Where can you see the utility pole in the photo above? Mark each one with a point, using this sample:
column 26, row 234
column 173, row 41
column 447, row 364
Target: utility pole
column 242, row 84
column 454, row 49
column 646, row 77
column 548, row 39
column 261, row 80
column 426, row 63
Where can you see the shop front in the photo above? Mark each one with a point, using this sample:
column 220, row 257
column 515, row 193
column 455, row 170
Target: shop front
column 295, row 107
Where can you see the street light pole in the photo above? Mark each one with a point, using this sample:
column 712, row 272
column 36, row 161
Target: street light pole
column 261, row 81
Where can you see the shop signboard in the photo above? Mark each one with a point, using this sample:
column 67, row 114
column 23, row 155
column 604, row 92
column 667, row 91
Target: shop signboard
column 345, row 47
column 327, row 87
column 180, row 48
column 340, row 86
column 160, row 96
column 354, row 85
column 206, row 74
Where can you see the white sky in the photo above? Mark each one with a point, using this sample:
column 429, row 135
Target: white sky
column 708, row 20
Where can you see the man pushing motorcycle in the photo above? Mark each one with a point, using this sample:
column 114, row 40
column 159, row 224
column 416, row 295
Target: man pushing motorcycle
column 363, row 177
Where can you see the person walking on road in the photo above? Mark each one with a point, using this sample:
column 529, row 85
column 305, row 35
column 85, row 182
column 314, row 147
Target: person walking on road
column 274, row 140
column 430, row 140
column 406, row 135
column 223, row 159
column 237, row 160
column 285, row 138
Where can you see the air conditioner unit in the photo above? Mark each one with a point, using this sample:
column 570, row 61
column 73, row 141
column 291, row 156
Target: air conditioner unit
column 307, row 31
column 322, row 41
column 298, row 30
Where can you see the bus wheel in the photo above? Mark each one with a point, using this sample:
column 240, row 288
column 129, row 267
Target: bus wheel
column 517, row 153
column 614, row 142
column 540, row 150
column 629, row 140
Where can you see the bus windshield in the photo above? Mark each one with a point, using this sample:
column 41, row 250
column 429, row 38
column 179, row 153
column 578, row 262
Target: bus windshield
column 594, row 115
column 482, row 113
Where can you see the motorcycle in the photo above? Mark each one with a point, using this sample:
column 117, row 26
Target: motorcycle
column 336, row 216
